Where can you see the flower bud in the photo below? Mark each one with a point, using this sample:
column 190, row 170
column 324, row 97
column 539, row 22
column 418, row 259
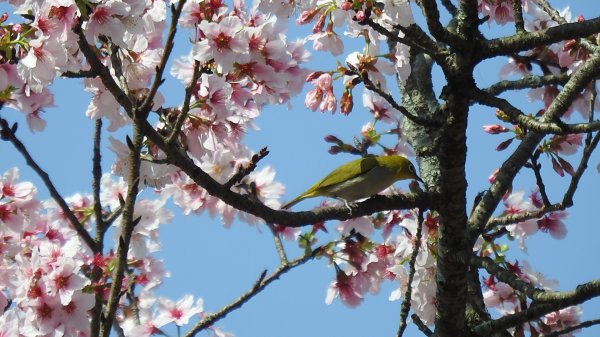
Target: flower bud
column 346, row 103
column 495, row 129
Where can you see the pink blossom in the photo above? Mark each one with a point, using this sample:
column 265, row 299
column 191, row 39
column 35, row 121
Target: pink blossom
column 567, row 145
column 345, row 289
column 564, row 318
column 65, row 280
column 500, row 295
column 361, row 225
column 106, row 20
column 178, row 313
column 224, row 42
column 500, row 11
column 553, row 224
column 327, row 41
column 380, row 108
column 39, row 67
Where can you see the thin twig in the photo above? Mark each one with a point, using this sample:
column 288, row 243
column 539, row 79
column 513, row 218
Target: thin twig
column 544, row 303
column 128, row 223
column 278, row 245
column 8, row 134
column 535, row 166
column 375, row 88
column 186, row 103
column 504, row 275
column 517, row 116
column 520, row 217
column 245, row 170
column 100, row 226
column 96, row 183
column 160, row 69
column 258, row 286
column 587, row 153
column 405, row 307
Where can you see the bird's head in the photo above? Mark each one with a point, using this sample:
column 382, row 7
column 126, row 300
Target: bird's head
column 402, row 167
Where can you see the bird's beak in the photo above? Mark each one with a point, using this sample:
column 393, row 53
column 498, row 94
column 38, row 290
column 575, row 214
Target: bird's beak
column 419, row 179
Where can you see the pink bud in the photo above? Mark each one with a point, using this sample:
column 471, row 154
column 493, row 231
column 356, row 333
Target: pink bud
column 4, row 17
column 502, row 146
column 495, row 129
column 346, row 102
column 493, row 176
column 346, row 6
column 360, row 16
column 307, row 16
column 580, row 18
column 313, row 75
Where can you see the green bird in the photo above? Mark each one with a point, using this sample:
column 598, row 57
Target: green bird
column 360, row 179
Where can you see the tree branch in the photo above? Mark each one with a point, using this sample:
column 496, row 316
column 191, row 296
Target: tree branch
column 527, row 82
column 544, row 303
column 179, row 158
column 8, row 133
column 526, row 41
column 484, row 209
column 262, row 282
column 518, row 117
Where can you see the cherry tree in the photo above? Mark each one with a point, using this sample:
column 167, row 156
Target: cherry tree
column 86, row 264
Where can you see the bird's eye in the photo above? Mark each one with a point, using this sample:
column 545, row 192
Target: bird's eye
column 411, row 168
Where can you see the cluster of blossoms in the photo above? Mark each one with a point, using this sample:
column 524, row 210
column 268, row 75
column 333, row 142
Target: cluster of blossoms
column 370, row 62
column 46, row 281
column 54, row 291
column 362, row 265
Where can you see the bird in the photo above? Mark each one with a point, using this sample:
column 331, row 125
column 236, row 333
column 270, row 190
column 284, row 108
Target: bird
column 360, row 178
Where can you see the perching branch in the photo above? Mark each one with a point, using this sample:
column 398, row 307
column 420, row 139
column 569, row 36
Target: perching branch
column 178, row 157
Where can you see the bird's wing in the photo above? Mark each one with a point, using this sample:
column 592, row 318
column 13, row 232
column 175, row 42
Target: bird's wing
column 346, row 172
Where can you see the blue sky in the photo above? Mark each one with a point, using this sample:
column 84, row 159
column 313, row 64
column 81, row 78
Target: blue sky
column 218, row 264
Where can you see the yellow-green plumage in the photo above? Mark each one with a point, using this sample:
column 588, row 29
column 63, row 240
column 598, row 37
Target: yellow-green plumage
column 360, row 179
